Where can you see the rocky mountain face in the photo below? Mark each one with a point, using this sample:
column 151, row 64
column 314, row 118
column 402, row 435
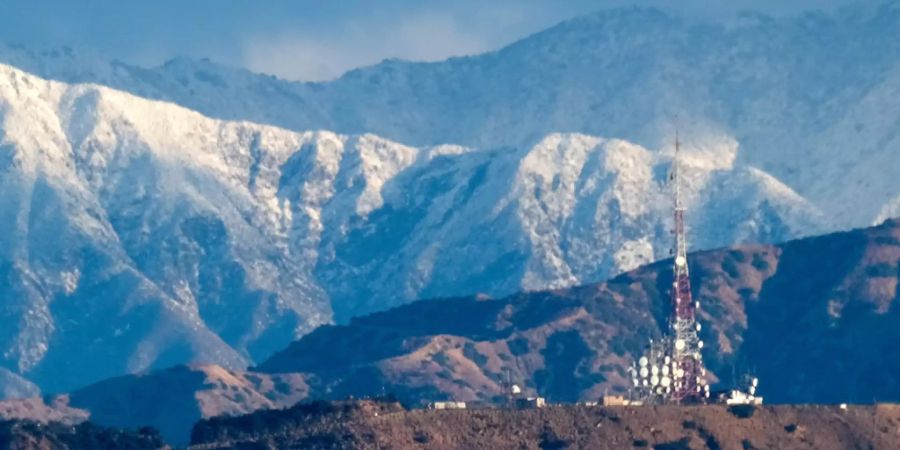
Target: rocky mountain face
column 810, row 99
column 814, row 319
column 132, row 237
column 15, row 386
column 138, row 234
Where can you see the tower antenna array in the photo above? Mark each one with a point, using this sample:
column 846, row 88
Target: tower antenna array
column 671, row 371
column 688, row 381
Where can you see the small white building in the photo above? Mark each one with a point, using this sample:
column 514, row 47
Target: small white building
column 748, row 397
column 616, row 400
column 531, row 403
column 736, row 397
column 447, row 405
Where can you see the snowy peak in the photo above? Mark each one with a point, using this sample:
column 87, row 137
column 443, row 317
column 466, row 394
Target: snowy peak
column 571, row 209
column 213, row 241
column 783, row 88
column 141, row 210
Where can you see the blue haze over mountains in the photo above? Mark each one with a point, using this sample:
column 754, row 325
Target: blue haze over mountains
column 243, row 210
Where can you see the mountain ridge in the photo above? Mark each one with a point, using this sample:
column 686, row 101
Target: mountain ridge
column 204, row 240
column 786, row 89
column 210, row 241
column 813, row 319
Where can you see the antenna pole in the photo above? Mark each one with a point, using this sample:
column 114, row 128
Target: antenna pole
column 689, row 385
column 672, row 371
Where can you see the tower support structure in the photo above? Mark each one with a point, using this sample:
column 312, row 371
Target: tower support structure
column 688, row 382
column 672, row 370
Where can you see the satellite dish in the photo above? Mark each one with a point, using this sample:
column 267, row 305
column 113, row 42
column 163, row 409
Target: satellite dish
column 654, row 380
column 679, row 372
column 665, row 370
column 643, row 361
column 680, row 261
column 666, row 381
column 668, row 360
column 654, row 370
column 644, row 372
column 700, row 344
column 516, row 389
column 698, row 327
column 755, row 381
column 679, row 344
column 636, row 381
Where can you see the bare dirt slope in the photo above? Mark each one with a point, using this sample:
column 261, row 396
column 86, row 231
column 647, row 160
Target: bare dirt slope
column 173, row 399
column 369, row 425
column 29, row 435
column 816, row 319
column 170, row 400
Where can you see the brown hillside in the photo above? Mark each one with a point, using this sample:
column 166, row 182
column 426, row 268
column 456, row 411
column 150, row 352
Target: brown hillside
column 816, row 319
column 366, row 425
column 174, row 399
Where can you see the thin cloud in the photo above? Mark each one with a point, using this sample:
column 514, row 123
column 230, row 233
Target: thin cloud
column 316, row 40
column 425, row 37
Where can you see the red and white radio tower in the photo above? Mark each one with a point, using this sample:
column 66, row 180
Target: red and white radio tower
column 671, row 371
column 688, row 375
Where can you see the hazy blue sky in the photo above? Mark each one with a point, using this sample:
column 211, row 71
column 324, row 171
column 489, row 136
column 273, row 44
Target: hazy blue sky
column 317, row 39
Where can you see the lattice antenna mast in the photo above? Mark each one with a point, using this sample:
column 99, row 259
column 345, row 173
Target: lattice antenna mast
column 680, row 232
column 689, row 384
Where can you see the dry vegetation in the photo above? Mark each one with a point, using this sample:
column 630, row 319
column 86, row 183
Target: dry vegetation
column 367, row 425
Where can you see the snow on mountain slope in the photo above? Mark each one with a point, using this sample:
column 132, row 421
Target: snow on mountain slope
column 14, row 386
column 571, row 209
column 787, row 89
column 133, row 236
column 136, row 234
column 855, row 165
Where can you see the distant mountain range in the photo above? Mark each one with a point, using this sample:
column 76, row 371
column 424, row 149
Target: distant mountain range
column 814, row 319
column 811, row 99
column 186, row 214
column 192, row 239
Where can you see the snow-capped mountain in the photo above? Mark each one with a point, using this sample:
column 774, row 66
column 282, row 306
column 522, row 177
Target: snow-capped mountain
column 811, row 99
column 138, row 234
column 187, row 213
column 571, row 209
